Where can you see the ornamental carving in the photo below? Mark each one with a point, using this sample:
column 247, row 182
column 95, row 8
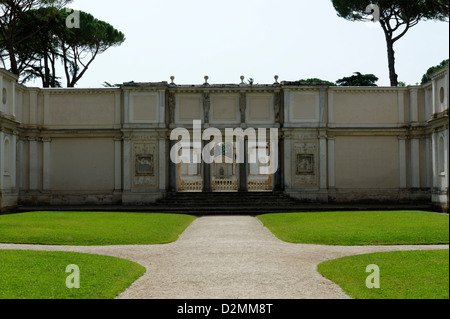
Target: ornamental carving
column 145, row 165
column 305, row 166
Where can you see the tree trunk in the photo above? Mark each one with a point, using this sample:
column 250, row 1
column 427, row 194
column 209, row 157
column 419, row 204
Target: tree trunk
column 391, row 60
column 46, row 83
column 12, row 59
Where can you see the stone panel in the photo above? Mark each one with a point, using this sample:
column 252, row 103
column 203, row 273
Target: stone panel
column 80, row 110
column 188, row 108
column 260, row 109
column 82, row 164
column 225, row 109
column 367, row 162
column 305, row 173
column 144, row 108
column 145, row 164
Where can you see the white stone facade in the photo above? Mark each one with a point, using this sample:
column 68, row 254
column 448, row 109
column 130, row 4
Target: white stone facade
column 111, row 146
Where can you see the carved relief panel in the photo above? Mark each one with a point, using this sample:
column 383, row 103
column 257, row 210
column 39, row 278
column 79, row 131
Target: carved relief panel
column 145, row 165
column 305, row 161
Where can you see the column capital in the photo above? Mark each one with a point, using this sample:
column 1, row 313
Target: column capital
column 322, row 135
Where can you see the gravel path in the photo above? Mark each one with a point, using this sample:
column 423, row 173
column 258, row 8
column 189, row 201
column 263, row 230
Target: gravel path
column 229, row 257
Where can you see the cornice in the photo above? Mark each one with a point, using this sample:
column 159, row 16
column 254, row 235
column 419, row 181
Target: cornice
column 10, row 76
column 367, row 89
column 79, row 91
column 439, row 73
column 225, row 88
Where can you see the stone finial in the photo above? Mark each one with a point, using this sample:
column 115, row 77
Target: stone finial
column 276, row 77
column 206, row 80
column 171, row 79
column 242, row 79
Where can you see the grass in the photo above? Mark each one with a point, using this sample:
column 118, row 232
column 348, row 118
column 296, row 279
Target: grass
column 360, row 228
column 403, row 275
column 42, row 275
column 92, row 228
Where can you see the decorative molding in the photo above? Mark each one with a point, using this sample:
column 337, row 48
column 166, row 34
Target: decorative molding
column 277, row 107
column 78, row 91
column 305, row 164
column 243, row 106
column 145, row 165
column 144, row 152
column 172, row 107
column 206, row 107
column 368, row 89
column 307, row 153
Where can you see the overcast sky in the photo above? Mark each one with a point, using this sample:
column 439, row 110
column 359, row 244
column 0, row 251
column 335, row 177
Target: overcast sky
column 294, row 39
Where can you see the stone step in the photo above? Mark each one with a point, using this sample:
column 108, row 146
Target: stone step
column 228, row 200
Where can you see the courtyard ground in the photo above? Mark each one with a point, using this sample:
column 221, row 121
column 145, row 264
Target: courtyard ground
column 230, row 257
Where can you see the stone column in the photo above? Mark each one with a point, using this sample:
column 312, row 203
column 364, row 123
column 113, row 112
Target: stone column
column 434, row 147
column 117, row 164
column 287, row 160
column 322, row 107
column 46, row 165
column 33, row 119
column 243, row 108
column 331, row 169
column 172, row 171
column 162, row 109
column 413, row 108
column 402, row 160
column 127, row 164
column 13, row 99
column 172, row 108
column 2, row 156
column 162, row 170
column 118, row 110
column 206, row 108
column 401, row 107
column 331, row 108
column 206, row 173
column 126, row 107
column 415, row 162
column 433, row 97
column 21, row 161
column 428, row 165
column 243, row 174
column 277, row 109
column 446, row 163
column 47, row 110
column 14, row 160
column 34, row 163
column 331, row 172
column 278, row 174
column 323, row 160
column 1, row 96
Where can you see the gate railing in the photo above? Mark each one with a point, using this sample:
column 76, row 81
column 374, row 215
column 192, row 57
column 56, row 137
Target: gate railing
column 259, row 185
column 225, row 185
column 191, row 186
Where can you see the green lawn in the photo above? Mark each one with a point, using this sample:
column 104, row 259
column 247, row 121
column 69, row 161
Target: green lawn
column 42, row 275
column 403, row 275
column 92, row 228
column 360, row 228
